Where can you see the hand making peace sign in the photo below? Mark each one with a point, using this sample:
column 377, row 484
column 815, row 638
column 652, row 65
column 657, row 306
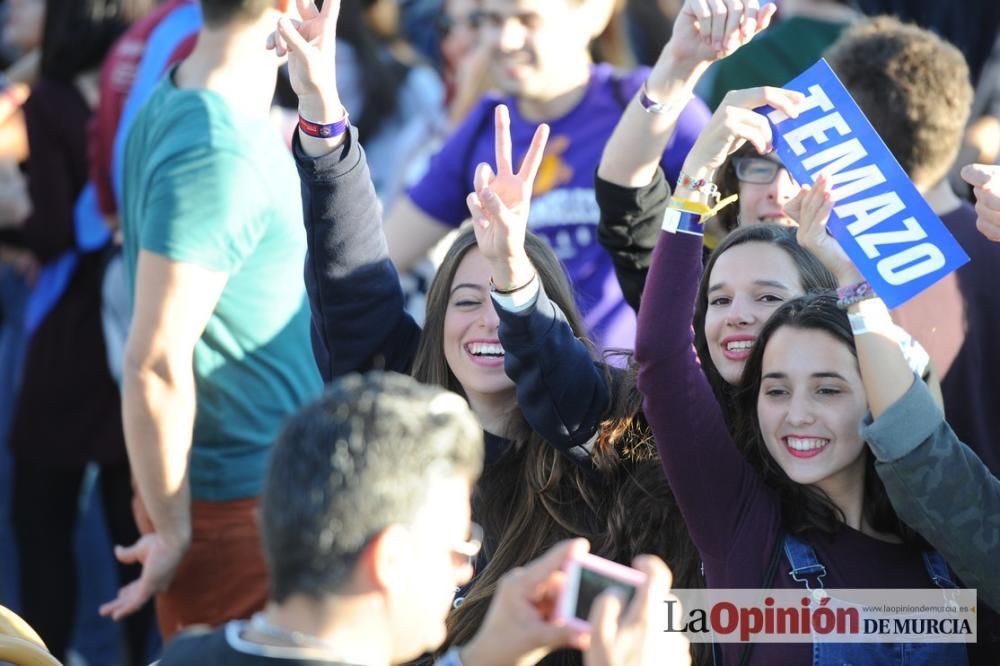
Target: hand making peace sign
column 500, row 204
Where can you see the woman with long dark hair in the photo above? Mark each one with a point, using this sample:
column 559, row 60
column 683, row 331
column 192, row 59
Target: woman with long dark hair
column 568, row 453
column 756, row 408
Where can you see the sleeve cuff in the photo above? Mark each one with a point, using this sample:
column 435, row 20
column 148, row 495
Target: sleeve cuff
column 903, row 427
column 527, row 328
column 337, row 162
column 626, row 201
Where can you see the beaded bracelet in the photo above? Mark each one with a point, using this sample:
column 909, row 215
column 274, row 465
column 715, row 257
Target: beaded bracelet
column 855, row 293
column 698, row 185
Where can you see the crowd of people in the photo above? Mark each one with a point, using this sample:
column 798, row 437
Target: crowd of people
column 367, row 317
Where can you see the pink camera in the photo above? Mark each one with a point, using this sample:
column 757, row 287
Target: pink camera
column 587, row 576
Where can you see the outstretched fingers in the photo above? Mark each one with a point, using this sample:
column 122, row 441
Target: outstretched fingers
column 307, row 8
column 505, row 163
column 533, row 158
column 787, row 101
column 482, row 178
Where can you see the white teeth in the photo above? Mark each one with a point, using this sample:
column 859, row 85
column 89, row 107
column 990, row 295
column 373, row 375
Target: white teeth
column 805, row 444
column 484, row 349
column 739, row 345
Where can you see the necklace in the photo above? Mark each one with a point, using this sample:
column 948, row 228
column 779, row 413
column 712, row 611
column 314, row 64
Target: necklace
column 297, row 638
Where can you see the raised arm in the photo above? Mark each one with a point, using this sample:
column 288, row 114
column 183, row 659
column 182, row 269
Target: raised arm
column 562, row 393
column 936, row 483
column 701, row 35
column 721, row 497
column 631, row 192
column 358, row 319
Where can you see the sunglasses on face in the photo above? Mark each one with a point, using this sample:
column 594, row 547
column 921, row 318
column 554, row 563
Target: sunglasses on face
column 759, row 170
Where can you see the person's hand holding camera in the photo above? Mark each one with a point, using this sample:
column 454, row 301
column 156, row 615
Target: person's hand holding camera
column 519, row 628
column 633, row 635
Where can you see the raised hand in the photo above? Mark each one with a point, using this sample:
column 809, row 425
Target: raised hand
column 705, row 30
column 310, row 45
column 811, row 208
column 734, row 123
column 500, row 203
column 985, row 180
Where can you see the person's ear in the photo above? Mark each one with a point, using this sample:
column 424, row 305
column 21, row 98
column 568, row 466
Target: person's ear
column 388, row 557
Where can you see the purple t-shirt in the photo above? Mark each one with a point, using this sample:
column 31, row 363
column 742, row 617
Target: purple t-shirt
column 563, row 209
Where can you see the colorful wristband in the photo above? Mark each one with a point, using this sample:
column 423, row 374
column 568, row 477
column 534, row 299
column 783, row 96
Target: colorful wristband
column 320, row 131
column 698, row 185
column 682, row 222
column 855, row 293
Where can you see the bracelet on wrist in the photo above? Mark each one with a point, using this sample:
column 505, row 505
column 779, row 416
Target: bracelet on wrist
column 683, row 222
column 512, row 290
column 658, row 108
column 872, row 316
column 324, row 131
column 855, row 293
column 699, row 207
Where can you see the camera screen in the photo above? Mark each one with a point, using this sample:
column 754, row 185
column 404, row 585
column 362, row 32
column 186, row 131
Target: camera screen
column 591, row 586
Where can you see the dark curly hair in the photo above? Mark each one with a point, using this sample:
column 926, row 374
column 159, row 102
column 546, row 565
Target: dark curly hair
column 913, row 86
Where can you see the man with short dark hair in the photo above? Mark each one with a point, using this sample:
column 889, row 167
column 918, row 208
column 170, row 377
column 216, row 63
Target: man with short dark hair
column 365, row 522
column 218, row 351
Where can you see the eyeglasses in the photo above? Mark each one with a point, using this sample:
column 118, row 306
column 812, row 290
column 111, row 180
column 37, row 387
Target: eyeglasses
column 466, row 551
column 758, row 170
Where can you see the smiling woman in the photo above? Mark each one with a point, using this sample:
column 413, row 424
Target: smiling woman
column 800, row 407
column 460, row 346
column 567, row 450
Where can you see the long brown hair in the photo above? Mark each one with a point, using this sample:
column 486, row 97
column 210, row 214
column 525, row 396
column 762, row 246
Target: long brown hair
column 535, row 496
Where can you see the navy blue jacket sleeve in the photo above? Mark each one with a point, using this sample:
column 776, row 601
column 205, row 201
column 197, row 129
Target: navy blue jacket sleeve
column 561, row 391
column 358, row 319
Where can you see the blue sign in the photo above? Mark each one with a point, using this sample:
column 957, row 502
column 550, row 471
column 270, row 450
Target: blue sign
column 879, row 218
